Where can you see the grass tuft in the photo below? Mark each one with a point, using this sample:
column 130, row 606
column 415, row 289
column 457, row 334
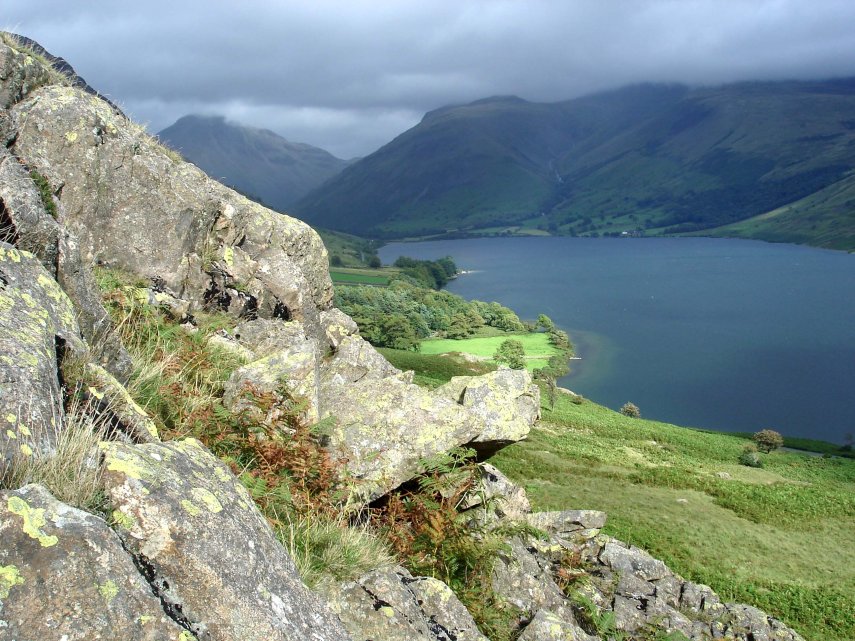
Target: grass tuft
column 72, row 472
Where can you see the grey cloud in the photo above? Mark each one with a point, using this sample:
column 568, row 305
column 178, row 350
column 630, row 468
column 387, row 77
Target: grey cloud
column 345, row 74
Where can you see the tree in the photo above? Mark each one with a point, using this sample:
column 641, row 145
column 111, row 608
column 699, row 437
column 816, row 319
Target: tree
column 512, row 353
column 336, row 261
column 546, row 323
column 459, row 327
column 631, row 410
column 374, row 262
column 768, row 440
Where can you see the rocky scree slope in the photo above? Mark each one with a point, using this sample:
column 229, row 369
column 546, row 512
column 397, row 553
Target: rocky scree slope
column 185, row 552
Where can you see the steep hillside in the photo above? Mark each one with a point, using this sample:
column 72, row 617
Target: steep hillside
column 257, row 162
column 659, row 159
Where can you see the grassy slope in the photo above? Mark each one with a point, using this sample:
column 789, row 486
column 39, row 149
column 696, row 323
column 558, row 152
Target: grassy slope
column 779, row 537
column 353, row 250
column 537, row 347
column 825, row 219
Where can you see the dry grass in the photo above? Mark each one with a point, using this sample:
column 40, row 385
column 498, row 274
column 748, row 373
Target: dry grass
column 327, row 551
column 72, row 472
column 55, row 77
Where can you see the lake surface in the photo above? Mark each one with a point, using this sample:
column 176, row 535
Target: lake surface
column 731, row 335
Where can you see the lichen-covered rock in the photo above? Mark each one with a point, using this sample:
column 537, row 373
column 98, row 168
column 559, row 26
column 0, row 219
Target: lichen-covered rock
column 506, row 401
column 23, row 219
column 36, row 321
column 337, row 326
column 210, row 555
column 284, row 356
column 354, row 360
column 96, row 326
column 503, row 499
column 576, row 526
column 121, row 189
column 622, row 558
column 109, row 396
column 546, row 626
column 392, row 605
column 19, row 75
column 385, row 428
column 387, row 425
column 526, row 581
column 65, row 575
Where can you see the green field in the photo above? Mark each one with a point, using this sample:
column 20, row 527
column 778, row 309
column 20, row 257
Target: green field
column 346, row 276
column 537, row 347
column 779, row 538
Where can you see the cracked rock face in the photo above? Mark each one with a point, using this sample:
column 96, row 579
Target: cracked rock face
column 36, row 320
column 208, row 552
column 392, row 605
column 65, row 575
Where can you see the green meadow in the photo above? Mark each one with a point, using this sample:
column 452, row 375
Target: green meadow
column 778, row 537
column 537, row 347
column 345, row 276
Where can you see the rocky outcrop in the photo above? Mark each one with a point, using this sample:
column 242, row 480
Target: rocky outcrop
column 37, row 325
column 26, row 224
column 121, row 191
column 392, row 605
column 20, row 75
column 506, row 402
column 384, row 426
column 65, row 575
column 207, row 551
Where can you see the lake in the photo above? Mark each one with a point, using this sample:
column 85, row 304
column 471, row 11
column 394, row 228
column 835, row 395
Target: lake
column 723, row 334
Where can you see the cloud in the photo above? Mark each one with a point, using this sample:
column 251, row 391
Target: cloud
column 346, row 75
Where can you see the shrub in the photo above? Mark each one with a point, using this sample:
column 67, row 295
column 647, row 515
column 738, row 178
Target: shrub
column 512, row 353
column 768, row 440
column 631, row 410
column 750, row 457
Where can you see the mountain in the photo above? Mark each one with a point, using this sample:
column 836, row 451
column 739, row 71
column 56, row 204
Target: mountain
column 257, row 162
column 654, row 158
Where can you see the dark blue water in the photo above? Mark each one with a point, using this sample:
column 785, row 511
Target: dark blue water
column 731, row 335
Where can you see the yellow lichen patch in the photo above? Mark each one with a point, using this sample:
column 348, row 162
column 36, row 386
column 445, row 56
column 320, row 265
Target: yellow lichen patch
column 23, row 429
column 387, row 611
column 229, row 256
column 26, row 450
column 191, row 508
column 109, row 590
column 71, row 136
column 96, row 393
column 11, row 435
column 186, row 636
column 145, row 618
column 221, row 474
column 131, row 465
column 11, row 254
column 211, row 502
column 11, row 418
column 122, row 520
column 34, row 520
column 9, row 578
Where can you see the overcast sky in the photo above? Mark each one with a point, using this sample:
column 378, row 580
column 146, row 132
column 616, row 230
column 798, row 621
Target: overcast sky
column 350, row 75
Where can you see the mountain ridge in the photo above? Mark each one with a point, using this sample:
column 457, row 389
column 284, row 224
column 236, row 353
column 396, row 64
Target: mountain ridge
column 257, row 161
column 651, row 158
